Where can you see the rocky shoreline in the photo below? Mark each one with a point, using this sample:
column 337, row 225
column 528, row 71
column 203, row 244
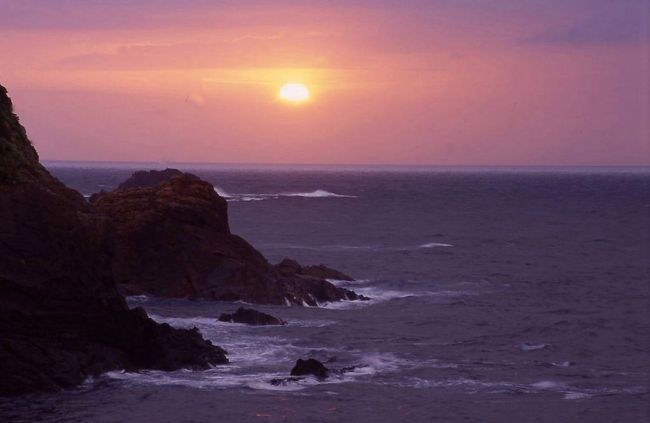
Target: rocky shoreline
column 65, row 264
column 173, row 240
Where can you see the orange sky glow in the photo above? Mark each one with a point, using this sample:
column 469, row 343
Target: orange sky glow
column 438, row 82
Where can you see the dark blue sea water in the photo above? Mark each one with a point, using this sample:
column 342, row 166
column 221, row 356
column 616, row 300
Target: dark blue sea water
column 499, row 295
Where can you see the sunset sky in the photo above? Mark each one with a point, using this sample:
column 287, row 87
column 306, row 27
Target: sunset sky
column 448, row 82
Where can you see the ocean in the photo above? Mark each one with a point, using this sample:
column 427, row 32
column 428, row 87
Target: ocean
column 497, row 295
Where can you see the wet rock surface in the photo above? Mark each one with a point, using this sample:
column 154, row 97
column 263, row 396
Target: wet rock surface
column 310, row 366
column 250, row 317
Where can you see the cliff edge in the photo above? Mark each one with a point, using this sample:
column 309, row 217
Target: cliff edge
column 62, row 318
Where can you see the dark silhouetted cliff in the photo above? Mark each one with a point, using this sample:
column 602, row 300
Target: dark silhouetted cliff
column 61, row 316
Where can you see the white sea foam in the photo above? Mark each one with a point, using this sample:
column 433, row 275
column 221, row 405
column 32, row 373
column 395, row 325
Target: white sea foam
column 576, row 395
column 562, row 364
column 311, row 323
column 222, row 192
column 232, row 375
column 435, row 244
column 255, row 359
column 318, row 193
column 379, row 295
column 532, row 347
column 549, row 385
column 467, row 385
column 473, row 386
column 376, row 295
column 344, row 283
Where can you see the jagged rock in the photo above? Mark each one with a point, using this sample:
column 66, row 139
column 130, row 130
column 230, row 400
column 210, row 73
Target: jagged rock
column 250, row 317
column 174, row 241
column 61, row 316
column 149, row 179
column 310, row 367
column 288, row 267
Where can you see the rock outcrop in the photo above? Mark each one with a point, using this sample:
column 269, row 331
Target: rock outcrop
column 288, row 267
column 173, row 240
column 252, row 317
column 150, row 179
column 62, row 318
column 310, row 366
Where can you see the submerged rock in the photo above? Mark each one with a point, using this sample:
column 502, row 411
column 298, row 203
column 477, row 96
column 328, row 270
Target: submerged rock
column 250, row 317
column 310, row 367
column 61, row 316
column 173, row 240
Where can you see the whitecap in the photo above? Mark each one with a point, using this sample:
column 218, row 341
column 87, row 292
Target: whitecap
column 344, row 283
column 562, row 364
column 576, row 395
column 379, row 295
column 435, row 244
column 548, row 385
column 221, row 192
column 376, row 295
column 531, row 347
column 229, row 376
column 311, row 323
column 319, row 193
column 469, row 385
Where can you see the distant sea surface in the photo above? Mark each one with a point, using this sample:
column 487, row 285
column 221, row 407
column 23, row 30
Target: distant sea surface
column 498, row 295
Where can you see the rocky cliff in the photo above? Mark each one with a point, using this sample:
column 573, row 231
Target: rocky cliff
column 61, row 316
column 173, row 240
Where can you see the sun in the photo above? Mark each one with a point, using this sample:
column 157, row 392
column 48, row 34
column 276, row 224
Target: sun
column 294, row 92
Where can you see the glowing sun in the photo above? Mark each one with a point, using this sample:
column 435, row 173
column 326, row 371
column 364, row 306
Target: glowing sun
column 294, row 93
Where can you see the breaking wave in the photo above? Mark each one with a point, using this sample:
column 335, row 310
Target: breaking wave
column 257, row 357
column 435, row 244
column 319, row 193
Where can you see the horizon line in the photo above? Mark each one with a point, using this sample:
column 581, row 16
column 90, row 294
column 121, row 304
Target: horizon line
column 367, row 165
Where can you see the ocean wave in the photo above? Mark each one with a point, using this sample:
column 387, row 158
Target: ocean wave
column 379, row 295
column 246, row 345
column 256, row 359
column 435, row 244
column 360, row 248
column 473, row 386
column 258, row 374
column 376, row 296
column 532, row 347
column 222, row 192
column 318, row 193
